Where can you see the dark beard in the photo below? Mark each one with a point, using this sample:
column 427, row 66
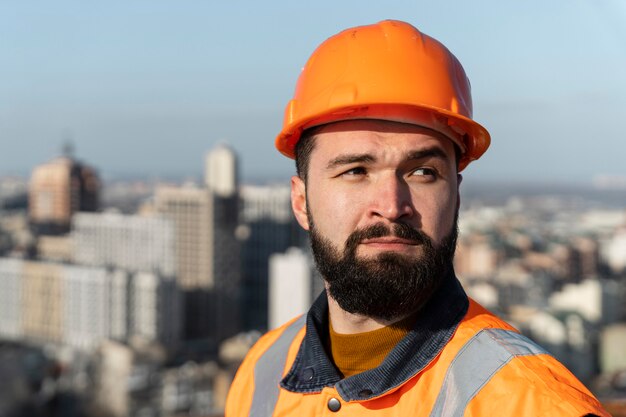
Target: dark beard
column 389, row 286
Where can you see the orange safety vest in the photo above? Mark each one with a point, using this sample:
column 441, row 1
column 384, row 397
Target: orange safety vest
column 484, row 368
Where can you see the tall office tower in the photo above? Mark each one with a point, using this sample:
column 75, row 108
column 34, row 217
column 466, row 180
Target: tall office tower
column 294, row 284
column 207, row 249
column 130, row 242
column 222, row 180
column 221, row 171
column 57, row 190
column 191, row 210
column 270, row 227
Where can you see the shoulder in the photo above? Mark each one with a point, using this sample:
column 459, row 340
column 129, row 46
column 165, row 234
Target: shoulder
column 478, row 318
column 512, row 375
column 280, row 338
column 242, row 388
column 536, row 384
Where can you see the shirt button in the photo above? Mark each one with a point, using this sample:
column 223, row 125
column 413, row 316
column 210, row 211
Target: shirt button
column 334, row 405
column 307, row 374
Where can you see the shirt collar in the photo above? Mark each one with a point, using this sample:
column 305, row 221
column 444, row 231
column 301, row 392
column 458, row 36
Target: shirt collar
column 312, row 369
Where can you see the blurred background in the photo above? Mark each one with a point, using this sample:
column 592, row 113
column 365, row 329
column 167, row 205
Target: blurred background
column 146, row 237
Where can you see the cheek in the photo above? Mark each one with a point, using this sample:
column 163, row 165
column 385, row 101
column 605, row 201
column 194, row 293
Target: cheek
column 333, row 212
column 437, row 214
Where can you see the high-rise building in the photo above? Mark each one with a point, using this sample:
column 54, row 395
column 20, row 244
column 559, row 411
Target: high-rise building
column 130, row 242
column 155, row 312
column 190, row 208
column 222, row 180
column 82, row 306
column 207, row 249
column 57, row 190
column 294, row 284
column 95, row 306
column 139, row 297
column 221, row 171
column 269, row 227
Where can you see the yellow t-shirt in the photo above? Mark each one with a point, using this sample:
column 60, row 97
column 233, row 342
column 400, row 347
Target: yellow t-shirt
column 356, row 353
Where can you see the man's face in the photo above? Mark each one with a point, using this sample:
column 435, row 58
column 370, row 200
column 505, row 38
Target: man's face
column 380, row 204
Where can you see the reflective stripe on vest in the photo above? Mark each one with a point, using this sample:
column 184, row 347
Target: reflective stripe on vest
column 268, row 371
column 475, row 364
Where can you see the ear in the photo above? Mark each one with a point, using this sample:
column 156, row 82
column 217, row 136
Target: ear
column 298, row 201
column 459, row 179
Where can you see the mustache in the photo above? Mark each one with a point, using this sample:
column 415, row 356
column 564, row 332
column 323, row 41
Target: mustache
column 400, row 230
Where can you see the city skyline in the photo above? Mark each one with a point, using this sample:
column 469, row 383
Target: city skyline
column 126, row 294
column 141, row 89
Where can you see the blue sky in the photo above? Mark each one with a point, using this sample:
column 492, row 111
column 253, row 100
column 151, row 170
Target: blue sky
column 148, row 86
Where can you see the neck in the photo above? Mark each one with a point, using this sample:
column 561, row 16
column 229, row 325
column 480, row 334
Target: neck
column 348, row 323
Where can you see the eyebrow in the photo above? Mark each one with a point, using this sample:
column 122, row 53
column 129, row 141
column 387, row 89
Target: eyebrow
column 428, row 153
column 350, row 159
column 434, row 152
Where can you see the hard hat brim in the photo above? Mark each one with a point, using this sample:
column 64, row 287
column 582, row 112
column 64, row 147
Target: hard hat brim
column 471, row 137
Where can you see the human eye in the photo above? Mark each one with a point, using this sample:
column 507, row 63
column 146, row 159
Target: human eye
column 425, row 173
column 354, row 172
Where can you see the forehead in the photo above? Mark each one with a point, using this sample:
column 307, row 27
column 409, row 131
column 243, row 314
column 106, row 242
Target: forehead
column 377, row 137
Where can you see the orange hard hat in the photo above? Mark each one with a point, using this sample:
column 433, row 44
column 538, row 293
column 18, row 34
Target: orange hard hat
column 389, row 71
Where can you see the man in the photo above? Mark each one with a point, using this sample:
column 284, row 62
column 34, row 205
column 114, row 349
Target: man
column 380, row 127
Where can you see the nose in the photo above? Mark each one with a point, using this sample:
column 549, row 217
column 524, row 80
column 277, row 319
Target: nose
column 390, row 198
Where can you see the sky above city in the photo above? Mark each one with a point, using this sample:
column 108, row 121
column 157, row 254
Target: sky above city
column 147, row 87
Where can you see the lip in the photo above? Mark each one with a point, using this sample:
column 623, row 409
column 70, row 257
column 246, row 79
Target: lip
column 389, row 241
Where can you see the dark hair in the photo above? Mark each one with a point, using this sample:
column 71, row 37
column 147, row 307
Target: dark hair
column 304, row 148
column 458, row 154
